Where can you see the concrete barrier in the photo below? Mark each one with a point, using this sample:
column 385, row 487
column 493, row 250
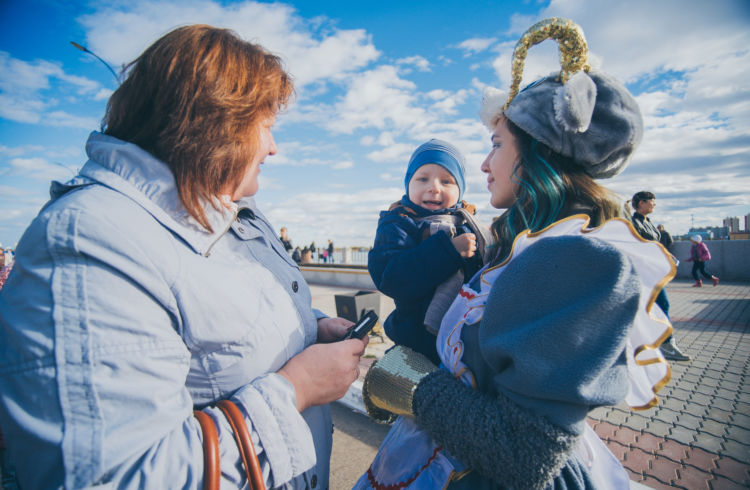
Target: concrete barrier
column 730, row 259
column 350, row 276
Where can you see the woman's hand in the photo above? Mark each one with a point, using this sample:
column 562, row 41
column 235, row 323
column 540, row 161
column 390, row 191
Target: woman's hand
column 322, row 373
column 332, row 329
column 465, row 244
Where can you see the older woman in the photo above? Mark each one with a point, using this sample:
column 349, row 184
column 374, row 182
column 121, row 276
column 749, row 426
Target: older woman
column 151, row 284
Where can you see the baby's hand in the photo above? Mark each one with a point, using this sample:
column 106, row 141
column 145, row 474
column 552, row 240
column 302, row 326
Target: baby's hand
column 465, row 244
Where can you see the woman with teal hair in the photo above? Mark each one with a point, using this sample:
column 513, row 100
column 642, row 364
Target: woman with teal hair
column 561, row 320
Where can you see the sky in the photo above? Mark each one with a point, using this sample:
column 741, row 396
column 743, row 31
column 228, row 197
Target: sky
column 376, row 79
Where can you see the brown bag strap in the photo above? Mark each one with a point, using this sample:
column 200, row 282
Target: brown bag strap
column 245, row 444
column 210, row 451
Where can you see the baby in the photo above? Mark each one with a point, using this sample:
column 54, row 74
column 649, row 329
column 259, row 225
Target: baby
column 426, row 245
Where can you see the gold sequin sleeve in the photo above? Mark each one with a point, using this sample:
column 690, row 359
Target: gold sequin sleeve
column 390, row 383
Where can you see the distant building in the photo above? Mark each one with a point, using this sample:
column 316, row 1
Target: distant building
column 747, row 222
column 733, row 224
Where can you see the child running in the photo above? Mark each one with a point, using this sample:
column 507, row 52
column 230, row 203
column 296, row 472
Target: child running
column 427, row 244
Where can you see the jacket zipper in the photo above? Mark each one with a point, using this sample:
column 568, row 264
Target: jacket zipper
column 226, row 229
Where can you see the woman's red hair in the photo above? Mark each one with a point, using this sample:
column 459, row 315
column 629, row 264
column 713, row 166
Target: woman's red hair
column 195, row 99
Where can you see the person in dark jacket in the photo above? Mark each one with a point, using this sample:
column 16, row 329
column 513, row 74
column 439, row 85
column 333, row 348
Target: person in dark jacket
column 422, row 241
column 664, row 237
column 643, row 203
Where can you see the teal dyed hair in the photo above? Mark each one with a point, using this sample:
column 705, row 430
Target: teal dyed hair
column 548, row 185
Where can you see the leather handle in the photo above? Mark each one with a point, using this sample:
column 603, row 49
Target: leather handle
column 211, row 463
column 244, row 443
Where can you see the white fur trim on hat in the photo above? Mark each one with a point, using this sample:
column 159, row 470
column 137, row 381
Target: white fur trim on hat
column 491, row 109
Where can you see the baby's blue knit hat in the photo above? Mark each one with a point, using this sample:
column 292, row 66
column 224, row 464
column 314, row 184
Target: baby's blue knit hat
column 440, row 153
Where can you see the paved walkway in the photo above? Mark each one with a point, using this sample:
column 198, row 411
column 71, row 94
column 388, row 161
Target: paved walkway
column 698, row 437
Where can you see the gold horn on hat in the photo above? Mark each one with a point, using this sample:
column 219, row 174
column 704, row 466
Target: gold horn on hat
column 570, row 39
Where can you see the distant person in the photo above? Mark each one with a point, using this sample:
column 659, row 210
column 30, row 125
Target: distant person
column 312, row 251
column 306, row 256
column 297, row 255
column 643, row 203
column 425, row 240
column 699, row 255
column 5, row 267
column 664, row 237
column 151, row 287
column 285, row 240
column 330, row 251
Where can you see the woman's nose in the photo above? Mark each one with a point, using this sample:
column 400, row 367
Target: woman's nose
column 485, row 165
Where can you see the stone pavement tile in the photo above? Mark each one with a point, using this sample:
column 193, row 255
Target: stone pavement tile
column 690, row 379
column 673, row 404
column 689, row 421
column 707, row 442
column 624, row 435
column 666, row 415
column 705, row 389
column 738, row 434
column 691, row 477
column 638, row 422
column 713, row 427
column 649, row 443
column 652, row 482
column 673, row 450
column 617, row 449
column 700, row 399
column 701, row 459
column 721, row 483
column 742, row 407
column 632, row 476
column 734, row 470
column 659, row 428
column 599, row 413
column 604, row 430
column 637, row 460
column 617, row 416
column 681, row 434
column 740, row 420
column 663, row 469
column 723, row 404
column 680, row 394
column 736, row 450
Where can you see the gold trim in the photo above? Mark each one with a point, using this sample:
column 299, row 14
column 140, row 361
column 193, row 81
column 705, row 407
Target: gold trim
column 649, row 304
column 570, row 40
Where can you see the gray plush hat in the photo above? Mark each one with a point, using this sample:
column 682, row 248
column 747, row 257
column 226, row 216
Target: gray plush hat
column 585, row 115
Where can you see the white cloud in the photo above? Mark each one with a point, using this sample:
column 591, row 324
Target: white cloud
column 25, row 87
column 476, row 45
column 378, row 98
column 419, row 62
column 40, row 168
column 343, row 165
column 313, row 50
column 397, row 152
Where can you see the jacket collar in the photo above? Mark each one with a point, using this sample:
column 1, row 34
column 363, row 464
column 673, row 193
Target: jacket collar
column 135, row 173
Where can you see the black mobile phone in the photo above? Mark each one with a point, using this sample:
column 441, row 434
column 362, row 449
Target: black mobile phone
column 363, row 326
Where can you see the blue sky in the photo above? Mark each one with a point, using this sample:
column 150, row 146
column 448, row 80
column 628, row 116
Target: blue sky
column 376, row 79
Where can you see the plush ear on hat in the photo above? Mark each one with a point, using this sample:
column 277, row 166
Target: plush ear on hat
column 574, row 102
